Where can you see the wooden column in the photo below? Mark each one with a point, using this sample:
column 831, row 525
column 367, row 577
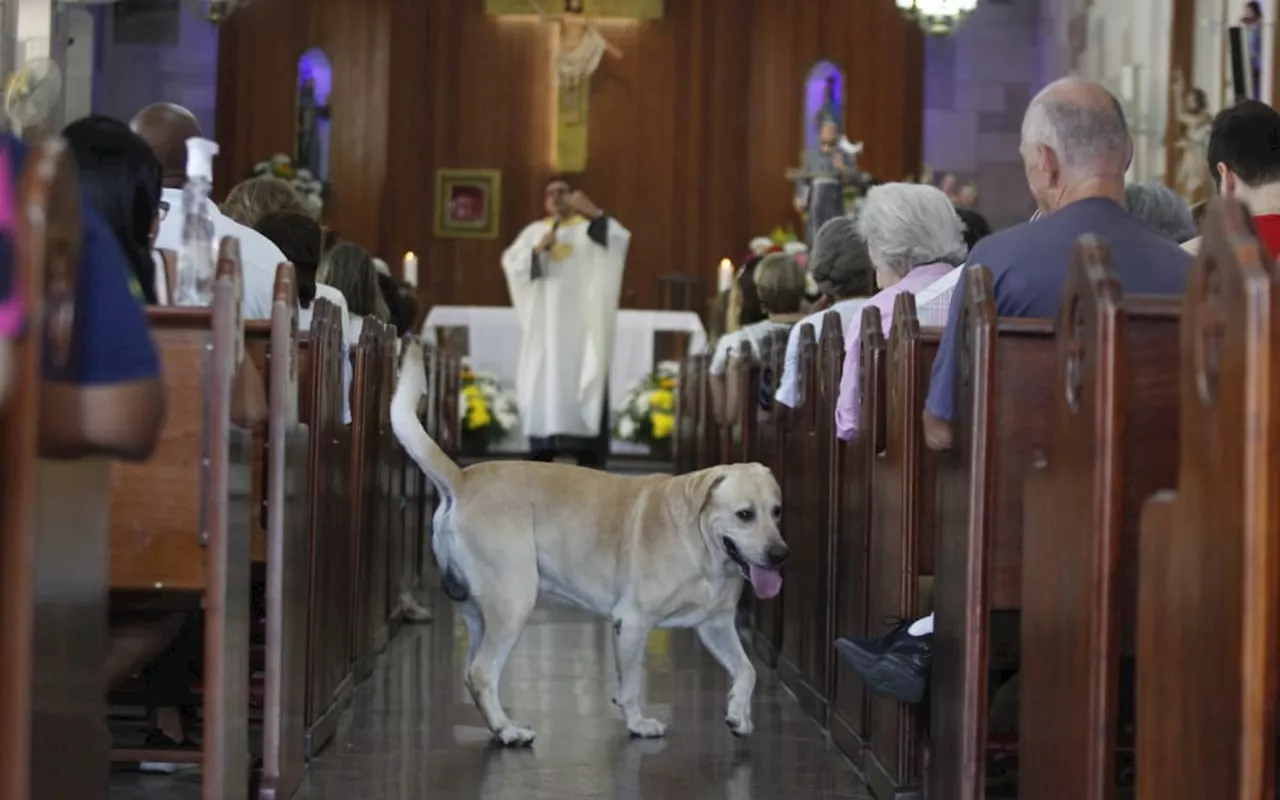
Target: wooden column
column 1182, row 37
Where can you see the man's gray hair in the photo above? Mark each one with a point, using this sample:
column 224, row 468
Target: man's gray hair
column 907, row 225
column 839, row 261
column 1161, row 208
column 1085, row 135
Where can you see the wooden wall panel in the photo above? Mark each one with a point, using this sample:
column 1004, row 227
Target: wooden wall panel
column 690, row 132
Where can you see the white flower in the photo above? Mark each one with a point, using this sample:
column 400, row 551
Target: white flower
column 760, row 244
column 795, row 248
column 642, row 403
column 627, row 429
column 280, row 159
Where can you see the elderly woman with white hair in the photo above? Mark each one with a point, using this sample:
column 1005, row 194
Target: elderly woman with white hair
column 1161, row 208
column 915, row 238
column 841, row 269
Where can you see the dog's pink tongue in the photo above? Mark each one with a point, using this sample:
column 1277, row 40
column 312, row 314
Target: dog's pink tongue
column 766, row 582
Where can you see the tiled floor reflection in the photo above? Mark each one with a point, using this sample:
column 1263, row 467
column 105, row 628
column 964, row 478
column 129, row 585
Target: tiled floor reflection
column 413, row 733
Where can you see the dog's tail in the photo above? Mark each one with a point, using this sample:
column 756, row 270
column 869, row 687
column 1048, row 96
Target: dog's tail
column 412, row 384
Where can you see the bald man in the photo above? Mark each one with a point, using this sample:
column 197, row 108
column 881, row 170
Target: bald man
column 1075, row 149
column 166, row 127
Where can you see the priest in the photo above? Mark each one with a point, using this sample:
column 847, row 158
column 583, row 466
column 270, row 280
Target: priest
column 564, row 274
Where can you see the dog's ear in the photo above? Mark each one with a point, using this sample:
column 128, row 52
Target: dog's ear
column 702, row 483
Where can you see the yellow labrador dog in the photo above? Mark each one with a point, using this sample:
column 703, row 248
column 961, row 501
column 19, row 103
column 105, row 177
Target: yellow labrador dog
column 651, row 552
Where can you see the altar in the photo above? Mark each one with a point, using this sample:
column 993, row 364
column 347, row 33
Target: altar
column 493, row 337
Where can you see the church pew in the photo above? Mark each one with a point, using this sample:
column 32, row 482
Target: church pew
column 707, row 445
column 1114, row 443
column 807, row 634
column 280, row 545
column 800, row 483
column 684, row 448
column 769, row 448
column 328, row 682
column 1210, row 574
column 368, row 537
column 180, row 523
column 830, row 362
column 53, row 521
column 393, row 490
column 901, row 539
column 1004, row 382
column 848, row 722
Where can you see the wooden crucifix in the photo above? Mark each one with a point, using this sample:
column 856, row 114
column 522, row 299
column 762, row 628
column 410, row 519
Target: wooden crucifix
column 579, row 48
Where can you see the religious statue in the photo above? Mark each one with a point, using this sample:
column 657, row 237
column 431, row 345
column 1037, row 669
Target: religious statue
column 1191, row 106
column 830, row 110
column 311, row 116
column 582, row 47
column 820, row 181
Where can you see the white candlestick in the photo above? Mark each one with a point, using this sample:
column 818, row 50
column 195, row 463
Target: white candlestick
column 724, row 279
column 411, row 269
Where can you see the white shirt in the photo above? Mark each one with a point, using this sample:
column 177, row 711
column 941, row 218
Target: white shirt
column 259, row 256
column 750, row 338
column 933, row 303
column 789, row 388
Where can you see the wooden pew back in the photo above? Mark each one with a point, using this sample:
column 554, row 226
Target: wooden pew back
column 329, row 588
column 1003, row 382
column 53, row 533
column 1114, row 442
column 1210, row 565
column 181, row 521
column 853, row 504
column 900, row 550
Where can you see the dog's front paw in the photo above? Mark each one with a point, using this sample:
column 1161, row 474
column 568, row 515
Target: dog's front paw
column 647, row 729
column 739, row 726
column 515, row 735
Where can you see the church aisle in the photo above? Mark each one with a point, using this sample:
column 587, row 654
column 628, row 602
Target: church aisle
column 414, row 734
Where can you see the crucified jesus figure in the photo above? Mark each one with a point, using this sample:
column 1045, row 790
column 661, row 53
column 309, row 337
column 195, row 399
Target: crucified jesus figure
column 581, row 49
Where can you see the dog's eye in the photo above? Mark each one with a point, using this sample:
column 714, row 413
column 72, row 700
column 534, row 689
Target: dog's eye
column 747, row 514
column 777, row 512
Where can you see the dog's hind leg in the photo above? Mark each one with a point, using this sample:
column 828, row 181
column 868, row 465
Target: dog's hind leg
column 720, row 636
column 504, row 608
column 474, row 620
column 630, row 636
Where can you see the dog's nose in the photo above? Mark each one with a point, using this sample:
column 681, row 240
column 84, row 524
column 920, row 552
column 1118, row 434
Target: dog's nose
column 777, row 553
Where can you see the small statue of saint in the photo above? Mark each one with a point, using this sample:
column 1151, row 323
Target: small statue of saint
column 312, row 115
column 1191, row 107
column 826, row 170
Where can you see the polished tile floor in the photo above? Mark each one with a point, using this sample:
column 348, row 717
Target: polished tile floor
column 413, row 733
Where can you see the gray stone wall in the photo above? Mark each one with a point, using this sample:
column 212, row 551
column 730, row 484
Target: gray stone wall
column 977, row 86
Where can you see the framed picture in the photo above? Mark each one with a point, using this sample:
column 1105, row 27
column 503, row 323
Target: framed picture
column 467, row 203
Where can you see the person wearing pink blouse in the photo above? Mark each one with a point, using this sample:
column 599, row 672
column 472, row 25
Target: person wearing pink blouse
column 915, row 238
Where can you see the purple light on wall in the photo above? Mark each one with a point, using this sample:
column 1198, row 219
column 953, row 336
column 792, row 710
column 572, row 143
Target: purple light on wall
column 815, row 95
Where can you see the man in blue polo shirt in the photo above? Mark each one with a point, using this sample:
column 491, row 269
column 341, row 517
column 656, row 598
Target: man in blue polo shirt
column 1075, row 148
column 114, row 357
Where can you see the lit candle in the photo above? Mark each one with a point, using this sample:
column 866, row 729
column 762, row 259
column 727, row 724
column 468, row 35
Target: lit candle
column 724, row 280
column 411, row 269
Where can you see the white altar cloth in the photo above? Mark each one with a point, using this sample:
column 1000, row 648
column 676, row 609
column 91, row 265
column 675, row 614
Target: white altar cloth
column 493, row 335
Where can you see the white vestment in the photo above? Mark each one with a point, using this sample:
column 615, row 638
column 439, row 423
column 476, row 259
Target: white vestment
column 567, row 321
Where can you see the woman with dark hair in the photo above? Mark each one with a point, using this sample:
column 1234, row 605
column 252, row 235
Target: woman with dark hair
column 349, row 268
column 299, row 237
column 976, row 227
column 121, row 176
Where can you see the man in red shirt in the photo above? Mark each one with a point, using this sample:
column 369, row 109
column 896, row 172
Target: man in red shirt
column 1244, row 157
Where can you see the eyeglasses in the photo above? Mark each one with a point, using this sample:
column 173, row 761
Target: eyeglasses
column 163, row 210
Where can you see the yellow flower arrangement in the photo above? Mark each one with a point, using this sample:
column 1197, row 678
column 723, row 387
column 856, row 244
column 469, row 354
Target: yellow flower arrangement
column 486, row 410
column 647, row 412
